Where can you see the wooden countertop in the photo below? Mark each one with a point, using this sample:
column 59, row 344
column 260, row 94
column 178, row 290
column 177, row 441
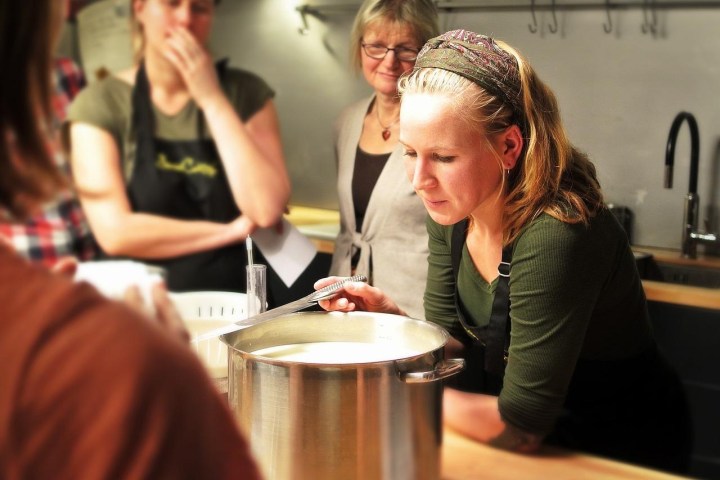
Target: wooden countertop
column 681, row 294
column 318, row 224
column 465, row 459
column 669, row 255
column 299, row 215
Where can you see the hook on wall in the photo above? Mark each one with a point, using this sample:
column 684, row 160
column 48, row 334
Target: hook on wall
column 649, row 26
column 533, row 26
column 607, row 26
column 554, row 27
column 304, row 11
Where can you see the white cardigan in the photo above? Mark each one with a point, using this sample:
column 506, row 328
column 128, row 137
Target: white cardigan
column 393, row 241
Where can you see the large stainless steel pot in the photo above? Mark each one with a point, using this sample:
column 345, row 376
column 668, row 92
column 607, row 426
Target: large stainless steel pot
column 316, row 421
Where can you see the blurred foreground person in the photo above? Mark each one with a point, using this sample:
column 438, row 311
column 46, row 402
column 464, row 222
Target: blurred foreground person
column 57, row 235
column 89, row 389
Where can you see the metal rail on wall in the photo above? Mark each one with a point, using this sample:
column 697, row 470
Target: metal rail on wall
column 649, row 7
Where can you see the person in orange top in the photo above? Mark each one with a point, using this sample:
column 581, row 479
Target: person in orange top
column 89, row 388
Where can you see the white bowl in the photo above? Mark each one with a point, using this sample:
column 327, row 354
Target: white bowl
column 113, row 277
column 204, row 311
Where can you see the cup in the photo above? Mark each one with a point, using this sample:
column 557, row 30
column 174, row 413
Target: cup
column 256, row 288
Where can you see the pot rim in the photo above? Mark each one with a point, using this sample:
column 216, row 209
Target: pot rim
column 399, row 323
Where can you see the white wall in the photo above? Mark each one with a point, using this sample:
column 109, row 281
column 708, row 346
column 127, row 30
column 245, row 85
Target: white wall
column 309, row 74
column 618, row 93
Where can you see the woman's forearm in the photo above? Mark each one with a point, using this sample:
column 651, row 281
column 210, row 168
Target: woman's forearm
column 252, row 156
column 140, row 235
column 120, row 231
column 474, row 415
column 477, row 416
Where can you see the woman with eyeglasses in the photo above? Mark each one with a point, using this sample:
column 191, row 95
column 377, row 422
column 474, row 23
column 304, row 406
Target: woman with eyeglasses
column 178, row 159
column 382, row 221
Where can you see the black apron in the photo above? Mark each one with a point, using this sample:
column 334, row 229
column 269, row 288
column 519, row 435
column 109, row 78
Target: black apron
column 184, row 180
column 486, row 347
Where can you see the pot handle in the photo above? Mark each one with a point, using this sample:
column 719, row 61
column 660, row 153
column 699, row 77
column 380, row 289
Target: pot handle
column 443, row 369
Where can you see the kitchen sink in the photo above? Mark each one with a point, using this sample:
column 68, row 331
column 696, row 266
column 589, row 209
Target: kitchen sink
column 694, row 275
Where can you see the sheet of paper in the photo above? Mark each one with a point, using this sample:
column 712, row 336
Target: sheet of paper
column 104, row 37
column 289, row 253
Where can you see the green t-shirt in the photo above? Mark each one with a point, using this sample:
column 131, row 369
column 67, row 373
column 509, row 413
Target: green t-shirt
column 575, row 294
column 107, row 104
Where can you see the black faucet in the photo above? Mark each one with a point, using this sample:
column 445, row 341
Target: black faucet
column 690, row 235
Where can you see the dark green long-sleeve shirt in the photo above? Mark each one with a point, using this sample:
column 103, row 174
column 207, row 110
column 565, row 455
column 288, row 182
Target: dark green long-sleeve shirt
column 575, row 294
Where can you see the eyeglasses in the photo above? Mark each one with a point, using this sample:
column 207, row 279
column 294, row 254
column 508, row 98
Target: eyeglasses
column 378, row 52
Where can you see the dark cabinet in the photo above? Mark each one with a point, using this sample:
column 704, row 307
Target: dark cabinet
column 690, row 339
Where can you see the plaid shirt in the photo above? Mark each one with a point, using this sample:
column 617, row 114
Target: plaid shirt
column 61, row 229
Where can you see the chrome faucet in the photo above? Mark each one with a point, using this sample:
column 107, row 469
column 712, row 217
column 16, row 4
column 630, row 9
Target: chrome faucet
column 690, row 234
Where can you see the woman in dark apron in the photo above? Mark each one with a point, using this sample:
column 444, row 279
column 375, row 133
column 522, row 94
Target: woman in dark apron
column 177, row 160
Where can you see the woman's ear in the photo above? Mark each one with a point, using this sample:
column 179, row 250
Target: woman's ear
column 511, row 146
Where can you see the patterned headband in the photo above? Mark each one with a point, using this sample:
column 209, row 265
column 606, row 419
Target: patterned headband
column 479, row 59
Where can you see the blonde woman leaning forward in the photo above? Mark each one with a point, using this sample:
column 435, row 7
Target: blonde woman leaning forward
column 382, row 220
column 528, row 269
column 177, row 160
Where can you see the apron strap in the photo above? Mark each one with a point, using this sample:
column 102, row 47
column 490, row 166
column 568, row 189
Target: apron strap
column 143, row 119
column 495, row 337
column 498, row 341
